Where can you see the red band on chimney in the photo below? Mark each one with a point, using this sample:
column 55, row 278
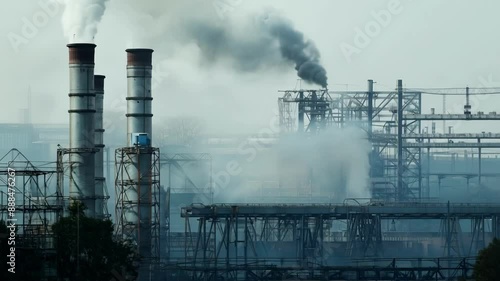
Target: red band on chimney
column 139, row 57
column 81, row 53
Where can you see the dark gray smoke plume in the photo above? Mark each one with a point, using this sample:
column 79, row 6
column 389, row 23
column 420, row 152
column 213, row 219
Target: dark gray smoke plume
column 303, row 53
column 267, row 42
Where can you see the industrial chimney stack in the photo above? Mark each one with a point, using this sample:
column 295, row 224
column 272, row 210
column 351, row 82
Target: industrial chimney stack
column 99, row 145
column 139, row 132
column 82, row 124
column 139, row 99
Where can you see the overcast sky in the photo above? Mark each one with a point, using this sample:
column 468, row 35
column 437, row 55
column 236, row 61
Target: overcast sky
column 426, row 43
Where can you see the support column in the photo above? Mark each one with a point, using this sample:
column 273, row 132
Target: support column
column 479, row 162
column 399, row 192
column 370, row 109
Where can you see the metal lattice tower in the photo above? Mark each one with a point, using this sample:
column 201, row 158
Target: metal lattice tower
column 314, row 110
column 396, row 173
column 38, row 203
column 131, row 200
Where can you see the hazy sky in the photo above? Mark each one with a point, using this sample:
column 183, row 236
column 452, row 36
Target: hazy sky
column 426, row 43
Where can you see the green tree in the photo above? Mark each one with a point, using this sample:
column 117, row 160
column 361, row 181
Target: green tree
column 86, row 249
column 487, row 267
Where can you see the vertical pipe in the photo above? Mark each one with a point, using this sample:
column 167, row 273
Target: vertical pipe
column 301, row 112
column 479, row 162
column 420, row 173
column 342, row 113
column 399, row 193
column 420, row 179
column 314, row 116
column 139, row 120
column 99, row 145
column 81, row 118
column 467, row 106
column 245, row 247
column 370, row 124
column 444, row 112
column 428, row 192
column 108, row 164
column 370, row 108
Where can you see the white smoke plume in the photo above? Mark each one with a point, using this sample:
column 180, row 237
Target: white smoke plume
column 81, row 19
column 336, row 162
column 332, row 166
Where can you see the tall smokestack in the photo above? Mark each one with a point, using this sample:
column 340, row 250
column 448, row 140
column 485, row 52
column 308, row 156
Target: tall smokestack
column 139, row 73
column 139, row 122
column 99, row 145
column 82, row 126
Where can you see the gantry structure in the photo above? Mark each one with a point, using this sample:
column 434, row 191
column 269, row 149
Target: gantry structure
column 38, row 203
column 394, row 124
column 249, row 242
column 137, row 188
column 186, row 173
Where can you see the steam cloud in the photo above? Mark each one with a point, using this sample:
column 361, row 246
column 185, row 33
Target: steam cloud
column 269, row 41
column 337, row 161
column 333, row 165
column 81, row 18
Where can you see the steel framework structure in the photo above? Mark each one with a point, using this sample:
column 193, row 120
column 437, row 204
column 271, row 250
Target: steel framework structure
column 180, row 166
column 182, row 178
column 380, row 114
column 64, row 165
column 418, row 269
column 315, row 105
column 38, row 203
column 243, row 242
column 125, row 158
column 393, row 122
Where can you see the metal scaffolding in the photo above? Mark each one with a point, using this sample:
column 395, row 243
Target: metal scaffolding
column 418, row 269
column 126, row 184
column 190, row 173
column 187, row 173
column 38, row 203
column 239, row 242
column 315, row 105
column 378, row 112
column 393, row 123
column 64, row 168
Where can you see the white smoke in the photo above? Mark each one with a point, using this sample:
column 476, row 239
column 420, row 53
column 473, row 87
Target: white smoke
column 81, row 19
column 332, row 166
column 336, row 160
